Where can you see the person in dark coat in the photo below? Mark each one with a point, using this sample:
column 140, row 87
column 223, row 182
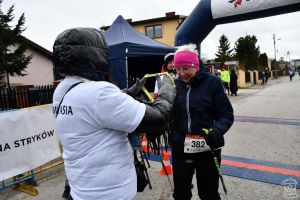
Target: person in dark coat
column 200, row 104
column 233, row 83
column 263, row 78
column 267, row 75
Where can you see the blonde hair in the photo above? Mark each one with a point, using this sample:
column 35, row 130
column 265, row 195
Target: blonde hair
column 188, row 48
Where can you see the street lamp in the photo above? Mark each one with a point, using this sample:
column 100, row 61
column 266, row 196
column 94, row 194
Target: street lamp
column 274, row 40
column 288, row 56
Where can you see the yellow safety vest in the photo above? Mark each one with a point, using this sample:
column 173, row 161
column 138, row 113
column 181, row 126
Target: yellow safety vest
column 225, row 77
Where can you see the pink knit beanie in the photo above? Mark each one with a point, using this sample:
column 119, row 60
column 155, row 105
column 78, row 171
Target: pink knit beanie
column 187, row 59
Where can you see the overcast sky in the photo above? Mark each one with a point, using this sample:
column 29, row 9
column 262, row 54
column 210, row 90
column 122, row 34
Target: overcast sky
column 45, row 19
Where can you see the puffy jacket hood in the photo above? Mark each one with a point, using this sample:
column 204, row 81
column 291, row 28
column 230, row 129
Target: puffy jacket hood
column 82, row 52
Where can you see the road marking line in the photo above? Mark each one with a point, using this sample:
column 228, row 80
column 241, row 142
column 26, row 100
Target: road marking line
column 261, row 168
column 267, row 120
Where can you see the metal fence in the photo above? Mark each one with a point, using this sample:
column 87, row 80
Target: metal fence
column 25, row 96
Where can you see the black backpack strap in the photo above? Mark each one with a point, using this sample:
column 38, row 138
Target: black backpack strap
column 72, row 86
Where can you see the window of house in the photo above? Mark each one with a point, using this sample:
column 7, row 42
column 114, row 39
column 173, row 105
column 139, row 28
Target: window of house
column 154, row 31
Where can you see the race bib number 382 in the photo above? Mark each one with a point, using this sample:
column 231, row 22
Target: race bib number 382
column 195, row 144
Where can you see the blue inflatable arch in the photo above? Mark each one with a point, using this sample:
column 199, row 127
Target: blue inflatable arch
column 209, row 13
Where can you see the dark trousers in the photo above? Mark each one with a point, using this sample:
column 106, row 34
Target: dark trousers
column 67, row 191
column 266, row 80
column 226, row 87
column 184, row 166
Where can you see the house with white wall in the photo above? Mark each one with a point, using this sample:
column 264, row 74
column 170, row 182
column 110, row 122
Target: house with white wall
column 40, row 69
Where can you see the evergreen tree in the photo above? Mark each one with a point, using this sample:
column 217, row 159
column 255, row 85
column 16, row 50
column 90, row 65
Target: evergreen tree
column 246, row 52
column 262, row 61
column 12, row 62
column 224, row 51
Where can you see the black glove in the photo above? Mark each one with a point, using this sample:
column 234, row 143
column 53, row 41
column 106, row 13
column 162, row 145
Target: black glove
column 210, row 138
column 136, row 88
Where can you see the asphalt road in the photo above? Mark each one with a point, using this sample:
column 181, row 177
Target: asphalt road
column 278, row 143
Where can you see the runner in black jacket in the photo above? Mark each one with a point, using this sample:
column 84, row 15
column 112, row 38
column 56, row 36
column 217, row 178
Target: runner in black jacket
column 200, row 103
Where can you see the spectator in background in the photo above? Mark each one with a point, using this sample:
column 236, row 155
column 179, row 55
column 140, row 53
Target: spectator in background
column 291, row 73
column 267, row 75
column 263, row 78
column 233, row 83
column 168, row 66
column 225, row 77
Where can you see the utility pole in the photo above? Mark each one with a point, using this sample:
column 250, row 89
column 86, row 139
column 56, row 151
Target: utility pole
column 274, row 46
column 274, row 40
column 288, row 56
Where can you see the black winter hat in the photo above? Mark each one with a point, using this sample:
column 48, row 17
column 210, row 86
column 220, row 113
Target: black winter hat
column 82, row 52
column 168, row 57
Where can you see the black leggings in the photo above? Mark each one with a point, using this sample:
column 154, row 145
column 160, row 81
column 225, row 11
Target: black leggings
column 184, row 166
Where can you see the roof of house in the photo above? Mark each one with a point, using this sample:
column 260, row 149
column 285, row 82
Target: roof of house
column 169, row 16
column 280, row 62
column 36, row 46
